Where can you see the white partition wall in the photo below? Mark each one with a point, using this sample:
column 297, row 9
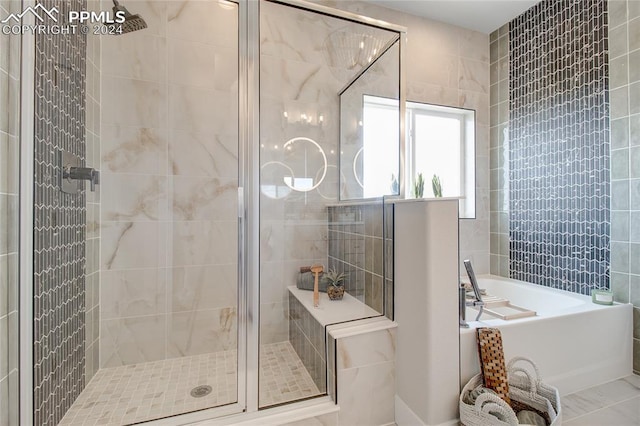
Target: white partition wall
column 426, row 306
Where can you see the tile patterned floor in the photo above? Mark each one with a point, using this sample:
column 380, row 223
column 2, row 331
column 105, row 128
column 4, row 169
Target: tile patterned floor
column 283, row 377
column 136, row 393
column 615, row 403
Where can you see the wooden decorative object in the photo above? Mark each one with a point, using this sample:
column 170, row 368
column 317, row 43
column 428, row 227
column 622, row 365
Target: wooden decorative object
column 492, row 364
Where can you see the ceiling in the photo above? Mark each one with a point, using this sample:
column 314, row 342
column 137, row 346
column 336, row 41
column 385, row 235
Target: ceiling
column 479, row 15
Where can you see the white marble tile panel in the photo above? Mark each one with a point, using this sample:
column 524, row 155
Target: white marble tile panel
column 366, row 349
column 272, row 284
column 474, row 45
column 202, row 287
column 377, row 382
column 274, row 322
column 203, row 111
column 134, row 149
column 200, row 332
column 203, row 21
column 202, row 198
column 126, row 245
column 137, row 56
column 132, row 340
column 201, row 64
column 203, row 154
column 434, row 68
column 431, row 94
column 473, row 76
column 133, row 197
column 129, row 102
column 135, row 292
column 479, row 102
column 305, row 241
column 203, row 243
column 272, row 241
column 300, row 81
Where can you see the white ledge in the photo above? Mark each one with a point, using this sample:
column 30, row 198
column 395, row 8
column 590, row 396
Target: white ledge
column 333, row 311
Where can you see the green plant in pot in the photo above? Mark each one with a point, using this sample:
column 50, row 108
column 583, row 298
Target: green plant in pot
column 418, row 186
column 335, row 287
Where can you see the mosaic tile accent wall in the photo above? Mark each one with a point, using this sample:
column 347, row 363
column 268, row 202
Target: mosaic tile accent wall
column 9, row 180
column 59, row 223
column 361, row 246
column 559, row 145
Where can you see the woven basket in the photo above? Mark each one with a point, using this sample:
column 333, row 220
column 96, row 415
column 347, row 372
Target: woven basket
column 524, row 387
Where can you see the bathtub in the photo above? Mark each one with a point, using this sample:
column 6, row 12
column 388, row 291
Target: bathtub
column 575, row 343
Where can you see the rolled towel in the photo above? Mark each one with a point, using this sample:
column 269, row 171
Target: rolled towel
column 307, row 279
column 526, row 417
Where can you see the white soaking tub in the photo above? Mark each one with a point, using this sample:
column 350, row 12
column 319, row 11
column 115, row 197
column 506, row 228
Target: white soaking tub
column 576, row 343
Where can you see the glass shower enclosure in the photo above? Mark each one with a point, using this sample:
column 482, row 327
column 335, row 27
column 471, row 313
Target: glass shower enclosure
column 176, row 181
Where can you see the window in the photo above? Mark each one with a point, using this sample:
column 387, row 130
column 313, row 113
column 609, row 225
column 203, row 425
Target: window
column 379, row 158
column 441, row 142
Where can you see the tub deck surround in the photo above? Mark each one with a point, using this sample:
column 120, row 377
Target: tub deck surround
column 571, row 339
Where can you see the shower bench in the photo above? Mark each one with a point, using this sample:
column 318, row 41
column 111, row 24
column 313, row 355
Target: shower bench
column 348, row 348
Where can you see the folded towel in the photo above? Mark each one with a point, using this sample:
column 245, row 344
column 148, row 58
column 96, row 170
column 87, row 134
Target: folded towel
column 526, row 417
column 307, row 279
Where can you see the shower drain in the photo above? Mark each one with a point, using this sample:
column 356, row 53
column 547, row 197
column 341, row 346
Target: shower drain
column 200, row 391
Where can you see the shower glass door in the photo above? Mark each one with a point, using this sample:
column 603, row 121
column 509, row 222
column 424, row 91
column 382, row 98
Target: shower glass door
column 155, row 297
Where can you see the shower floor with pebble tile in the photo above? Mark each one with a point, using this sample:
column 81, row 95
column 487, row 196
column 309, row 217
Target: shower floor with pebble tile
column 153, row 390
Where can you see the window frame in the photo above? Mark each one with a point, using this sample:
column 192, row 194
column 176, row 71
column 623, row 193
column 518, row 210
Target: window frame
column 466, row 118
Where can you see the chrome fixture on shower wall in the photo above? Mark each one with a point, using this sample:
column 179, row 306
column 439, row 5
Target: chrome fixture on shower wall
column 131, row 22
column 71, row 173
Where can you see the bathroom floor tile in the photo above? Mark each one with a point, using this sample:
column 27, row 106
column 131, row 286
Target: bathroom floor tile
column 625, row 413
column 142, row 392
column 597, row 397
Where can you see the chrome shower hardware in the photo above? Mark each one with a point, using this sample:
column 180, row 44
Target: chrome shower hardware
column 72, row 173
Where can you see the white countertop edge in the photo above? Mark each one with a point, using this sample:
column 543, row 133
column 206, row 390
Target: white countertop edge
column 333, row 311
column 366, row 325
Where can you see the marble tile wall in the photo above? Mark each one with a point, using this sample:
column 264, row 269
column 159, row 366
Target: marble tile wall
column 624, row 97
column 169, row 160
column 307, row 336
column 499, row 152
column 92, row 244
column 448, row 65
column 365, row 378
column 9, row 181
column 59, row 263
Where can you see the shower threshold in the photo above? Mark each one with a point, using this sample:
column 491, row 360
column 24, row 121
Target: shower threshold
column 153, row 390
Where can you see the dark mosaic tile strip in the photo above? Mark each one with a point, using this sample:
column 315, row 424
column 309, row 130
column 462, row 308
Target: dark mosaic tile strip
column 59, row 223
column 559, row 145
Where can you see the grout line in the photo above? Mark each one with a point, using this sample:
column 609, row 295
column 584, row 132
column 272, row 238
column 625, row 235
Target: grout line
column 602, row 408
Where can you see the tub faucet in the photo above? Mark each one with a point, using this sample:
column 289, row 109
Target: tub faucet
column 476, row 302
